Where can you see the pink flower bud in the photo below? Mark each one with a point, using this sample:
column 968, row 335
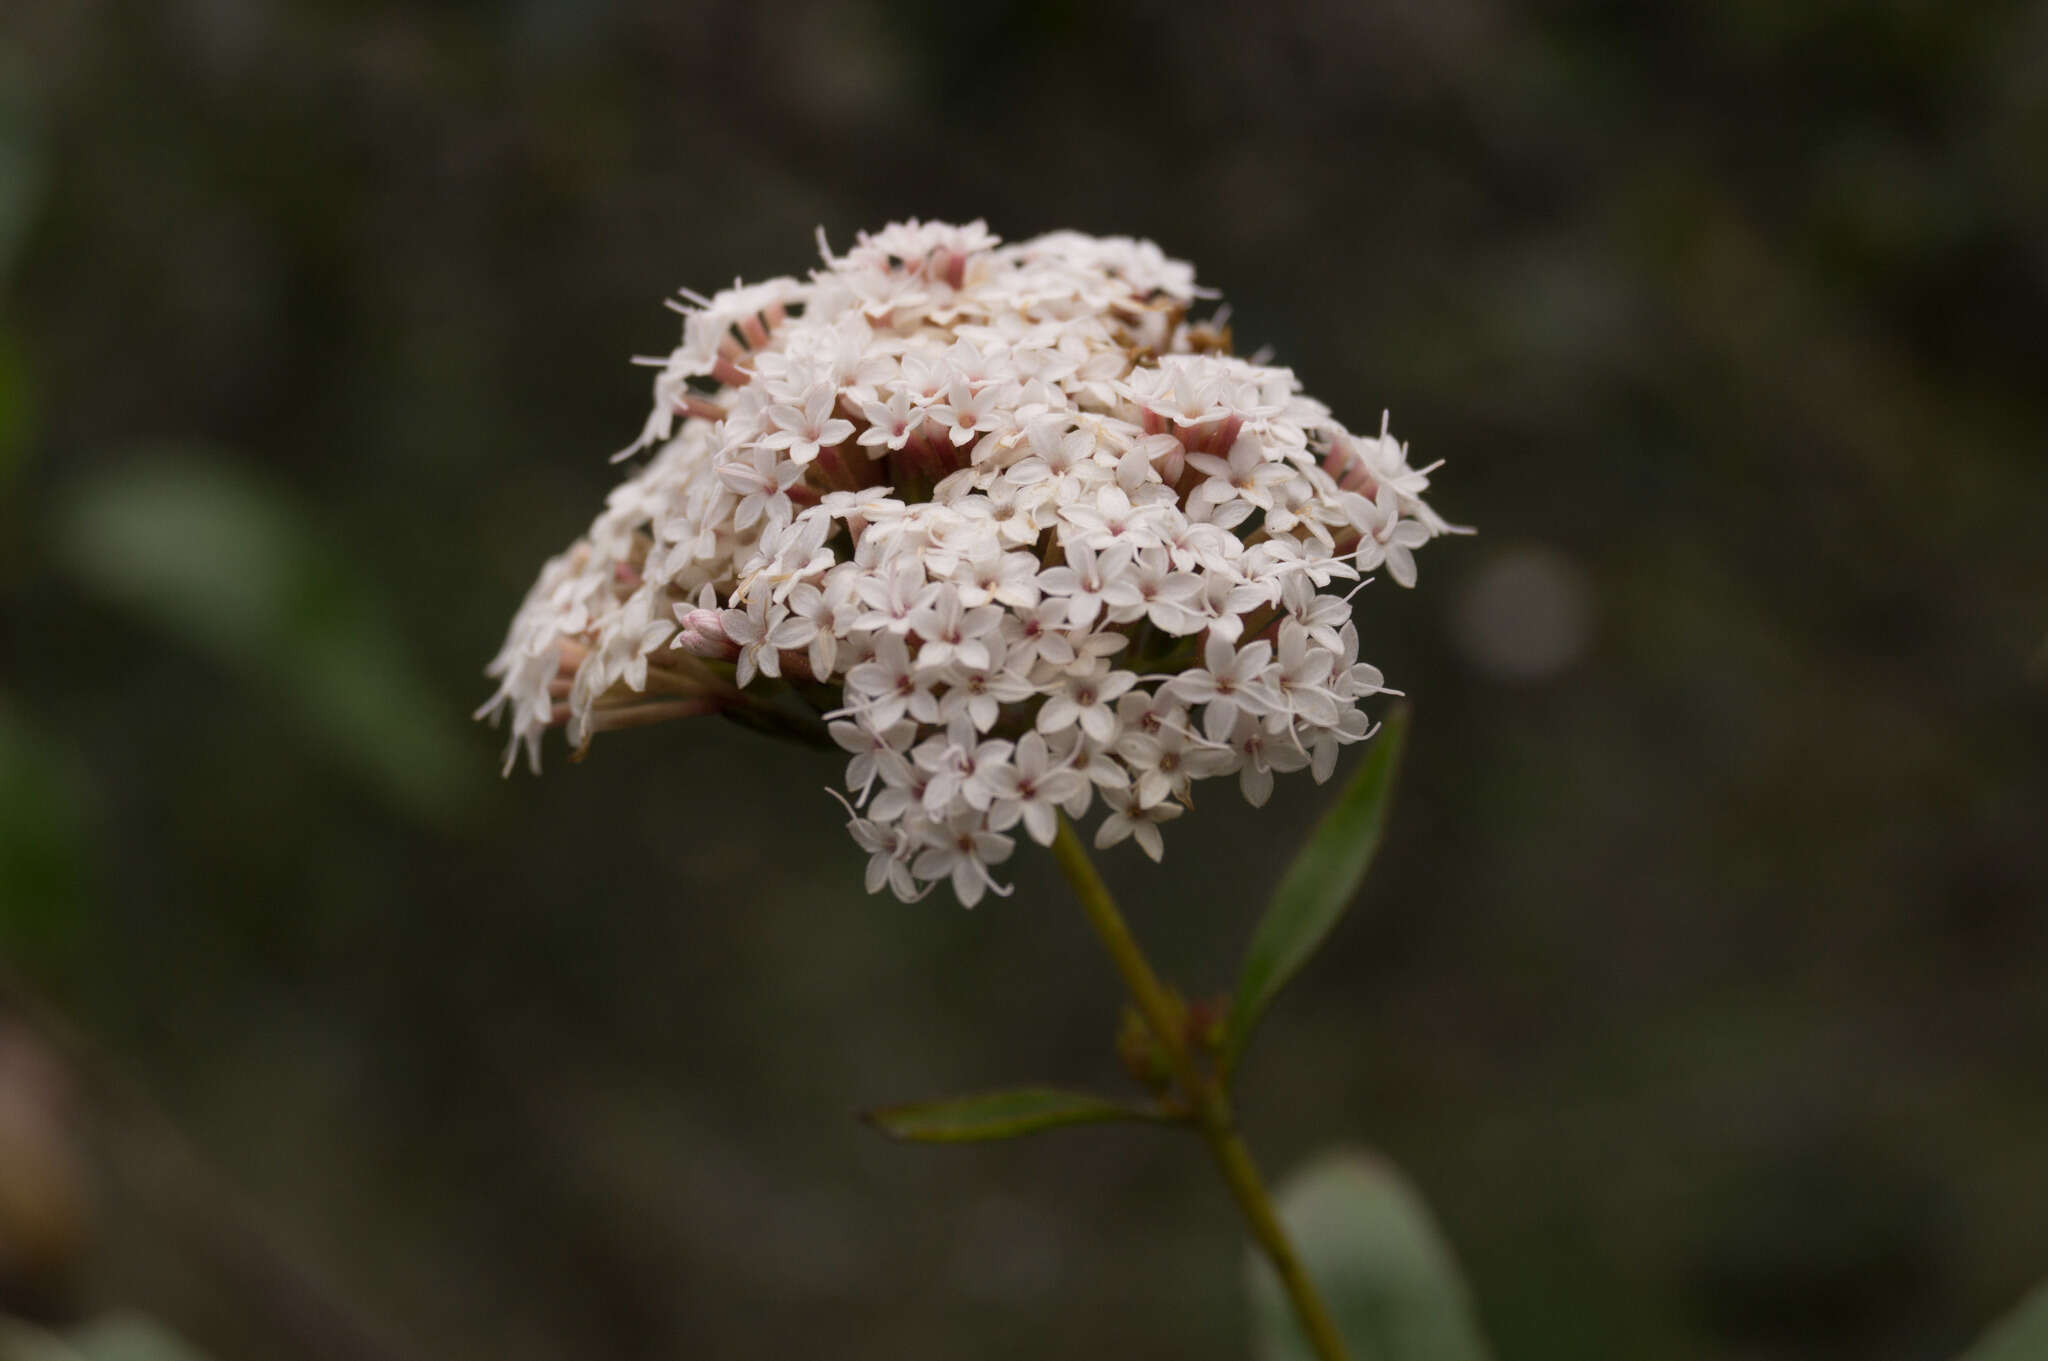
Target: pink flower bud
column 703, row 635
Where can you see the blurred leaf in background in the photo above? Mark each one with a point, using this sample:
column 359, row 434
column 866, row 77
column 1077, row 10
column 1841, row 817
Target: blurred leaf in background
column 21, row 191
column 2021, row 1335
column 21, row 159
column 43, row 832
column 16, row 409
column 122, row 1337
column 1373, row 1248
column 192, row 543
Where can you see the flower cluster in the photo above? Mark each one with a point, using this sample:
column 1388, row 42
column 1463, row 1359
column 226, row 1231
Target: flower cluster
column 1003, row 522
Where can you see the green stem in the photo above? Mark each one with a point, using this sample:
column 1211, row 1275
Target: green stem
column 1209, row 1101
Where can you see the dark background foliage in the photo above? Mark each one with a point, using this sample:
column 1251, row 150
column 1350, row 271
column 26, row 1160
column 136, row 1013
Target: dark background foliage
column 1700, row 985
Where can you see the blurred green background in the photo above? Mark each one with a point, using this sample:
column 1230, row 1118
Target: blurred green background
column 1702, row 985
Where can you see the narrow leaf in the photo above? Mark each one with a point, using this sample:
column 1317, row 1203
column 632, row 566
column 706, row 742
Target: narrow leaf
column 1318, row 886
column 1375, row 1254
column 998, row 1115
column 2021, row 1335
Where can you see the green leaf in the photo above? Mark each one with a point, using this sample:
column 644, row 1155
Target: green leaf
column 129, row 1337
column 197, row 545
column 17, row 410
column 22, row 158
column 43, row 846
column 25, row 1342
column 2021, row 1335
column 998, row 1115
column 119, row 1337
column 1319, row 885
column 1382, row 1266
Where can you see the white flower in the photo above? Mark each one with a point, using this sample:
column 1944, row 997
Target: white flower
column 753, row 628
column 980, row 516
column 1299, row 680
column 1083, row 580
column 868, row 746
column 965, row 413
column 804, row 430
column 891, row 597
column 889, row 847
column 1229, row 682
column 1392, row 540
column 1085, row 698
column 1056, row 451
column 1033, row 788
column 1150, row 590
column 1128, row 818
column 1259, row 754
column 1247, row 475
column 953, row 632
column 884, row 689
column 1002, row 578
column 977, row 693
column 1163, row 762
column 961, row 849
column 889, row 423
column 762, row 482
column 960, row 769
column 813, row 619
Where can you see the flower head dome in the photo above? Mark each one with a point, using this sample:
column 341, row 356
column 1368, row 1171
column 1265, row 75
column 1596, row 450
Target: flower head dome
column 1004, row 523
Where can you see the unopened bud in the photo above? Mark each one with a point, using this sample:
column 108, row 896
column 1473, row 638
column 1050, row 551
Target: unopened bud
column 703, row 635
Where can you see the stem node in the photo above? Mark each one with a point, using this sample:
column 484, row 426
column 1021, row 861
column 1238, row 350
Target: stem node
column 1211, row 1112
